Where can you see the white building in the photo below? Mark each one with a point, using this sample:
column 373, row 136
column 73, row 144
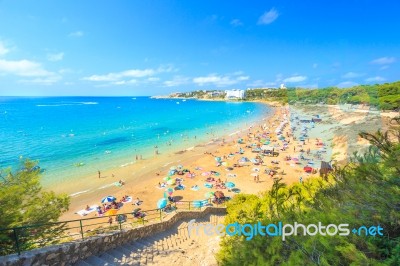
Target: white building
column 235, row 94
column 282, row 86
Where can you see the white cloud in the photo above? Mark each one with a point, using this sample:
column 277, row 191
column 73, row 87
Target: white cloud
column 219, row 80
column 375, row 79
column 131, row 73
column 236, row 22
column 131, row 76
column 23, row 68
column 383, row 61
column 268, row 17
column 350, row 75
column 261, row 84
column 346, row 84
column 55, row 57
column 176, row 81
column 295, row 79
column 3, row 49
column 43, row 81
column 76, row 34
column 241, row 78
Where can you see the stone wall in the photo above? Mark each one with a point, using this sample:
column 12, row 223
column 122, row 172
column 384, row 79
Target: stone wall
column 69, row 253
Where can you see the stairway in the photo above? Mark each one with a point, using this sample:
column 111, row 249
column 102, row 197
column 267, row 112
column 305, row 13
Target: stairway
column 174, row 246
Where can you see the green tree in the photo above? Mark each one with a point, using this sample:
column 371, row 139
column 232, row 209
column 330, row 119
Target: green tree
column 23, row 202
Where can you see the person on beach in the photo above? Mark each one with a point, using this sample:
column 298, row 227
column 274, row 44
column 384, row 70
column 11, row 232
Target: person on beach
column 301, row 180
column 99, row 173
column 110, row 220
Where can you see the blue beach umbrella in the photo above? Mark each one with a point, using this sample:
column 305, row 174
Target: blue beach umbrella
column 230, row 185
column 162, row 203
column 108, row 199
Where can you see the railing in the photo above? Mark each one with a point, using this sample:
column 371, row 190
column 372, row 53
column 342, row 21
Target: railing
column 18, row 239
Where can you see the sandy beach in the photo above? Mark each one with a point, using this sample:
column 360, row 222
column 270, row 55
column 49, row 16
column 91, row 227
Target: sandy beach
column 330, row 139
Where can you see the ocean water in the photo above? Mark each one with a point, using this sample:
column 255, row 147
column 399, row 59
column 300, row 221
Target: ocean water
column 76, row 136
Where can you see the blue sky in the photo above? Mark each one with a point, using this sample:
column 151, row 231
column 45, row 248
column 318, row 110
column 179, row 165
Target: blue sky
column 158, row 47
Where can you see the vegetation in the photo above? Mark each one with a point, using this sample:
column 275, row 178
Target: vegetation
column 383, row 96
column 366, row 192
column 23, row 203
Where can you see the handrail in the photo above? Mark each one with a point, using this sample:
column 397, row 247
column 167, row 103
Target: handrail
column 21, row 238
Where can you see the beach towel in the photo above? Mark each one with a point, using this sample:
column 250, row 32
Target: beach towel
column 208, row 185
column 127, row 200
column 198, row 168
column 117, row 184
column 231, row 175
column 195, row 188
column 85, row 212
column 181, row 187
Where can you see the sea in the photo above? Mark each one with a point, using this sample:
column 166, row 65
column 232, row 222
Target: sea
column 71, row 137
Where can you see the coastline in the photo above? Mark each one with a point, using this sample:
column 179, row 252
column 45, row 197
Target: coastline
column 137, row 175
column 142, row 177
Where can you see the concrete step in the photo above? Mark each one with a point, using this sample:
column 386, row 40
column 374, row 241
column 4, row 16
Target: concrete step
column 82, row 263
column 119, row 255
column 94, row 260
column 109, row 258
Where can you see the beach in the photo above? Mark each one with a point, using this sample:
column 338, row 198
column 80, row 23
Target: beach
column 330, row 136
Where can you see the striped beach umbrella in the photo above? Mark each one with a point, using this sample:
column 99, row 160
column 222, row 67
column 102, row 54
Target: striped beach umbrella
column 108, row 199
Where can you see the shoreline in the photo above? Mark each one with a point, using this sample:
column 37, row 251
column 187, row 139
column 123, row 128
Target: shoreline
column 143, row 176
column 136, row 174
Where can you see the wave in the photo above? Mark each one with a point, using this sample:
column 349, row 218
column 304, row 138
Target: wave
column 106, row 186
column 80, row 192
column 67, row 104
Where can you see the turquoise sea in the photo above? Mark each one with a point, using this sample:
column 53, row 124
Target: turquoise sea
column 76, row 136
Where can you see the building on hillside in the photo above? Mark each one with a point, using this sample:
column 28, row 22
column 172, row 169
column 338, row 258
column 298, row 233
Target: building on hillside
column 215, row 93
column 235, row 94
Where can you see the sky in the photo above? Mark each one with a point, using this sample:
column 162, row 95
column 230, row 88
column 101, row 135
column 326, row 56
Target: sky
column 118, row 48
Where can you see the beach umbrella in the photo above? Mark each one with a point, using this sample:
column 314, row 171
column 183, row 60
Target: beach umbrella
column 111, row 212
column 167, row 178
column 172, row 172
column 219, row 194
column 171, row 182
column 170, row 191
column 108, row 199
column 209, row 194
column 230, row 184
column 205, row 173
column 255, row 169
column 225, row 164
column 161, row 203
